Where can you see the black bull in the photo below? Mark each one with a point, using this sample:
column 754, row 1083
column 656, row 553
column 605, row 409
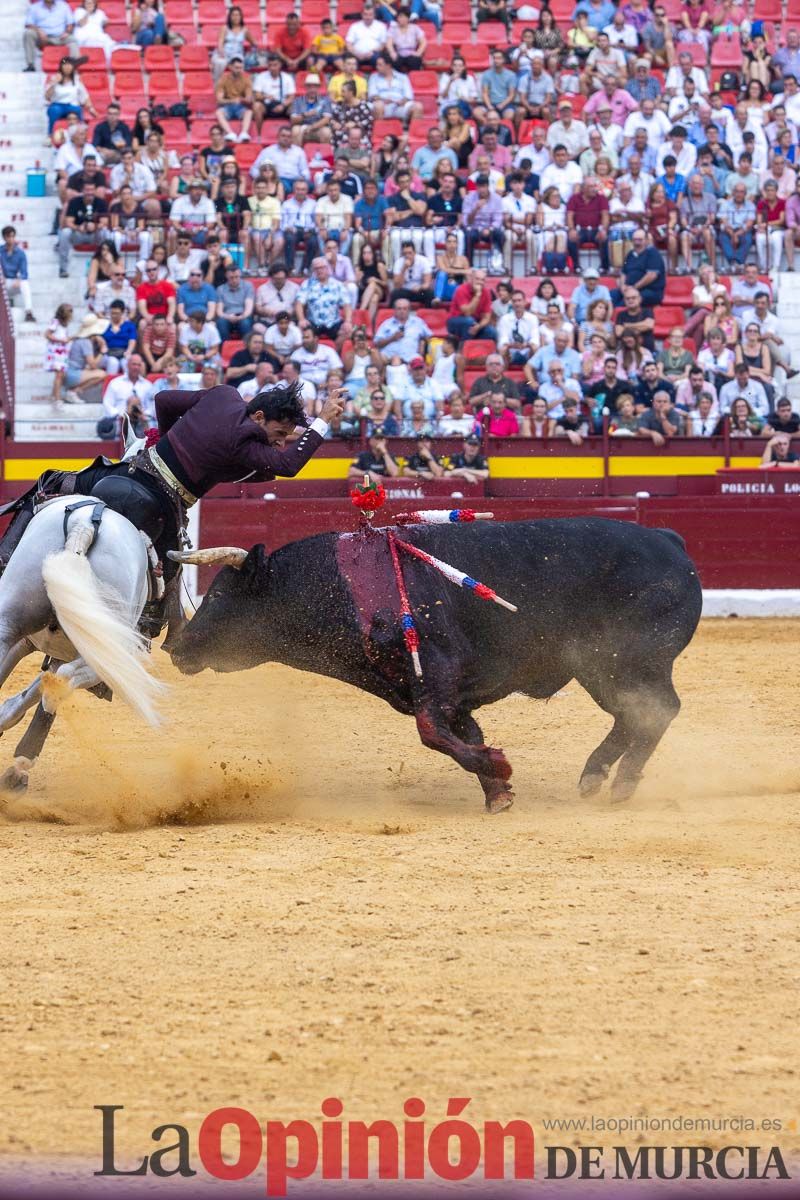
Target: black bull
column 604, row 602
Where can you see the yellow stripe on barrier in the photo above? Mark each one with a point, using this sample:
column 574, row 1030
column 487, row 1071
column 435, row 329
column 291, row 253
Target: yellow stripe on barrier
column 20, row 470
column 545, row 467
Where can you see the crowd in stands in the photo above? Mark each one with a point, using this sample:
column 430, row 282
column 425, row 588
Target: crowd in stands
column 510, row 227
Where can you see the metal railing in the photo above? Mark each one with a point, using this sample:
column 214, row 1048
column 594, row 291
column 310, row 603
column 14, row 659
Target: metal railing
column 7, row 359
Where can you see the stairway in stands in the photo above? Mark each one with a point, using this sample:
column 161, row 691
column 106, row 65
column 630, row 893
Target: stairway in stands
column 788, row 310
column 23, row 130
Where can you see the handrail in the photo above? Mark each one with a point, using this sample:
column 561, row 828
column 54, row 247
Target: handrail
column 7, row 359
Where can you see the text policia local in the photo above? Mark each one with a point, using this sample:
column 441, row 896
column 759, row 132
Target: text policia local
column 233, row 1145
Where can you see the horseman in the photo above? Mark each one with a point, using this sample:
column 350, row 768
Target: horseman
column 204, row 438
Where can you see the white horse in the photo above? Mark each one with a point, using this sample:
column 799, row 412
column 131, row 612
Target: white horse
column 78, row 600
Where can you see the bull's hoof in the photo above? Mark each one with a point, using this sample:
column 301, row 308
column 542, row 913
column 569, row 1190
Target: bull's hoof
column 500, row 766
column 500, row 803
column 14, row 781
column 589, row 785
column 623, row 789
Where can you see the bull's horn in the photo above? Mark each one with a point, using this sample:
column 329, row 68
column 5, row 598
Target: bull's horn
column 224, row 556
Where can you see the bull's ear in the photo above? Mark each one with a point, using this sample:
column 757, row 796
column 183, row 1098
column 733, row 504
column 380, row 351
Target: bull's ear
column 255, row 564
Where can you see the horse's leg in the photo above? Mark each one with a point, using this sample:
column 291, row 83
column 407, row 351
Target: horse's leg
column 14, row 709
column 13, row 657
column 28, row 749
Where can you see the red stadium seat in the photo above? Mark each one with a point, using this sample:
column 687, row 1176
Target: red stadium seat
column 98, row 89
column 211, row 12
column 424, row 83
column 189, row 34
column 95, row 59
column 119, row 32
column 198, row 84
column 246, row 154
column 163, row 86
column 383, row 314
column 678, row 290
column 492, row 33
column 673, row 9
column 455, row 33
column 435, row 319
column 767, row 10
column 126, row 59
column 475, row 350
column 314, row 11
column 726, row 52
column 792, row 13
column 128, row 83
column 115, row 10
column 193, row 58
column 251, row 14
column 388, row 125
column 665, row 321
column 228, row 350
column 179, row 11
column 159, row 58
column 129, row 107
column 476, row 57
column 174, row 131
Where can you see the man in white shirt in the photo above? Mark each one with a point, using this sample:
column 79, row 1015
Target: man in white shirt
column 367, row 37
column 654, row 122
column 685, row 153
column 412, row 276
column 298, row 224
column 417, row 385
column 314, row 359
column 288, row 160
column 567, row 132
column 640, row 181
column 185, row 259
column 518, row 332
column 115, row 288
column 684, row 70
column 136, row 175
column 390, row 92
column 561, row 174
column 743, row 385
column 791, row 99
column 192, row 213
column 70, row 155
column 537, row 151
column 278, row 294
column 130, row 394
column 334, row 216
column 273, row 92
column 519, row 213
column 768, row 326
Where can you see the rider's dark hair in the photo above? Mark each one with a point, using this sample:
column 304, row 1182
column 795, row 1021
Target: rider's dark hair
column 280, row 404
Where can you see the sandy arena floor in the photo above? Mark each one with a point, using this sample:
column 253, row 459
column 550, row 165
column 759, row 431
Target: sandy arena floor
column 285, row 897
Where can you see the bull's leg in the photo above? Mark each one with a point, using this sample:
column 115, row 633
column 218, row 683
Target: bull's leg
column 653, row 705
column 498, row 792
column 601, row 760
column 435, row 723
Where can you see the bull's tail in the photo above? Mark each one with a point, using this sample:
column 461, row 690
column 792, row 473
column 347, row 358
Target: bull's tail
column 87, row 612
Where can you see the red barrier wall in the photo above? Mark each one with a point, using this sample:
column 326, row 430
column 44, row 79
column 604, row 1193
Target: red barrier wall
column 736, row 543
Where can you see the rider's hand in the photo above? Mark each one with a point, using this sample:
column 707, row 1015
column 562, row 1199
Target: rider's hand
column 333, row 405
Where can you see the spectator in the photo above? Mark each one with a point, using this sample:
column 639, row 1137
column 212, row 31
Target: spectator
column 587, row 221
column 405, row 216
column 375, row 408
column 242, row 367
column 273, row 93
column 661, row 422
column 634, row 318
column 754, row 351
column 185, row 260
column 519, row 214
column 376, row 461
column 567, row 132
column 148, row 25
column 155, row 296
column 234, row 96
column 518, row 332
column 58, row 343
column 745, row 290
column 234, row 213
column 14, row 266
column 390, row 92
column 128, row 395
column 556, row 389
column 65, row 94
column 322, row 303
column 768, row 326
column 717, row 359
column 690, row 391
column 469, row 464
column 288, row 159
column 366, row 38
column 697, row 209
column 643, row 271
column 561, row 173
column 402, row 336
column 234, row 40
column 749, row 389
column 298, row 225
column 500, row 421
column 471, row 309
column 120, row 333
column 457, row 422
column 770, row 228
column 292, row 43
column 783, row 420
column 572, row 424
column 129, row 223
column 649, row 385
column 778, row 452
column 334, row 216
column 85, row 222
column 310, row 114
column 624, row 422
column 314, row 359
column 419, row 388
column 198, row 341
column 327, row 47
column 283, row 337
column 737, row 217
column 704, row 420
column 499, row 86
column 674, row 361
column 235, row 303
column 277, row 294
column 47, row 23
column 196, row 295
column 742, row 420
column 412, row 276
column 423, row 463
column 483, row 219
column 157, row 343
column 494, row 380
column 193, row 213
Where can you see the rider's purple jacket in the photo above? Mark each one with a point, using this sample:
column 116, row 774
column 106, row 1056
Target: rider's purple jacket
column 208, row 438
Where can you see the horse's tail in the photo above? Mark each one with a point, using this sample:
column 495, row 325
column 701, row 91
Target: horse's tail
column 87, row 612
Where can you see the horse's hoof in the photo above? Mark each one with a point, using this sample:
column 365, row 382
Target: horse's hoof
column 500, row 803
column 13, row 780
column 589, row 785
